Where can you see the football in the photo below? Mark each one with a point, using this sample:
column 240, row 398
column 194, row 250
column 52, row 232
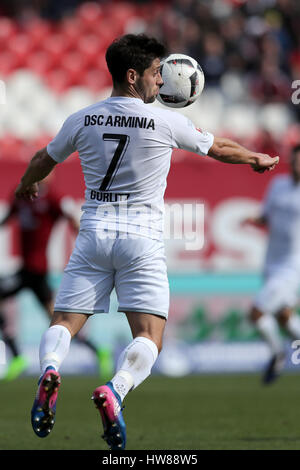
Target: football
column 183, row 81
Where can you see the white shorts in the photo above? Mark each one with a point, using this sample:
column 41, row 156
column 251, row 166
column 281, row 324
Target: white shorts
column 280, row 290
column 136, row 267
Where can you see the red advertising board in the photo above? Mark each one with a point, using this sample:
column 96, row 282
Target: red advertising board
column 228, row 192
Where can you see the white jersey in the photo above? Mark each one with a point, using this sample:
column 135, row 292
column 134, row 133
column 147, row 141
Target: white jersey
column 282, row 211
column 125, row 150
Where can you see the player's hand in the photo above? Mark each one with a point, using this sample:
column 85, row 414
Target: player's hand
column 264, row 162
column 27, row 192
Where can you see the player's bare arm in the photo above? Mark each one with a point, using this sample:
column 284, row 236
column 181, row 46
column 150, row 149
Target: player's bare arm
column 39, row 167
column 228, row 151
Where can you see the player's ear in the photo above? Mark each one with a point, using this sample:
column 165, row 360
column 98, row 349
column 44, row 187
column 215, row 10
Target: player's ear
column 131, row 76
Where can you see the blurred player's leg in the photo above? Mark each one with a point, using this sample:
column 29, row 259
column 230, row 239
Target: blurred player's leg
column 105, row 362
column 18, row 362
column 8, row 338
column 103, row 355
column 290, row 321
column 268, row 328
column 9, row 286
column 39, row 284
column 134, row 366
column 54, row 347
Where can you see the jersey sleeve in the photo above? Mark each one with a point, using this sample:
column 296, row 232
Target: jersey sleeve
column 63, row 144
column 187, row 137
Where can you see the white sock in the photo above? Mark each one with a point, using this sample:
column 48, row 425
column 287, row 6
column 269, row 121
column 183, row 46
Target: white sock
column 54, row 346
column 292, row 326
column 269, row 330
column 134, row 365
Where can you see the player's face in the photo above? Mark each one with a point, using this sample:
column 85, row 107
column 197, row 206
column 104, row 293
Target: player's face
column 149, row 83
column 295, row 165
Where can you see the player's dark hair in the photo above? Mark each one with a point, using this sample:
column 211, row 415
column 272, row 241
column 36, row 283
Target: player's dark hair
column 136, row 51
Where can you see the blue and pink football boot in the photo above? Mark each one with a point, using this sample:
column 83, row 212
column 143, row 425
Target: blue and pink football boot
column 109, row 404
column 44, row 406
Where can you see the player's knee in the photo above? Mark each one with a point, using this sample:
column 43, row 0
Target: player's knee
column 255, row 314
column 283, row 316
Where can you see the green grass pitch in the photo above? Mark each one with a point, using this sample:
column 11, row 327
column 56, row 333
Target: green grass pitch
column 195, row 412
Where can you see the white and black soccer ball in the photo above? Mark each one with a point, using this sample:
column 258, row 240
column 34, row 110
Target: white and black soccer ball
column 183, row 81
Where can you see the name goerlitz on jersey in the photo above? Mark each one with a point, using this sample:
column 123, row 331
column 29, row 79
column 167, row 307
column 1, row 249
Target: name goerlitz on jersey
column 108, row 196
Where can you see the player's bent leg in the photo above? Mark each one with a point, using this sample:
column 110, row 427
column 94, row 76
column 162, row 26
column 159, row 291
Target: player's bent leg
column 40, row 286
column 18, row 363
column 134, row 366
column 148, row 326
column 274, row 368
column 54, row 347
column 9, row 286
column 267, row 326
column 290, row 321
column 72, row 321
column 255, row 314
column 283, row 316
column 55, row 342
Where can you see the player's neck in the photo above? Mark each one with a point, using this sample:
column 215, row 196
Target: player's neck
column 129, row 92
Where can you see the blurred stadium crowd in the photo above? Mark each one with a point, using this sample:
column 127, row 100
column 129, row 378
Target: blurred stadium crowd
column 52, row 62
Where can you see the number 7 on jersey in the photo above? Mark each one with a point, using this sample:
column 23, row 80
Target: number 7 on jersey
column 123, row 141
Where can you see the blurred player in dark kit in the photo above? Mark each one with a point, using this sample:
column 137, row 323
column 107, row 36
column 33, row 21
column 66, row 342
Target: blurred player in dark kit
column 36, row 220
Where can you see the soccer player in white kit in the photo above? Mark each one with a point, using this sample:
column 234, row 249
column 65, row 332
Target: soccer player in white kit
column 275, row 302
column 125, row 151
